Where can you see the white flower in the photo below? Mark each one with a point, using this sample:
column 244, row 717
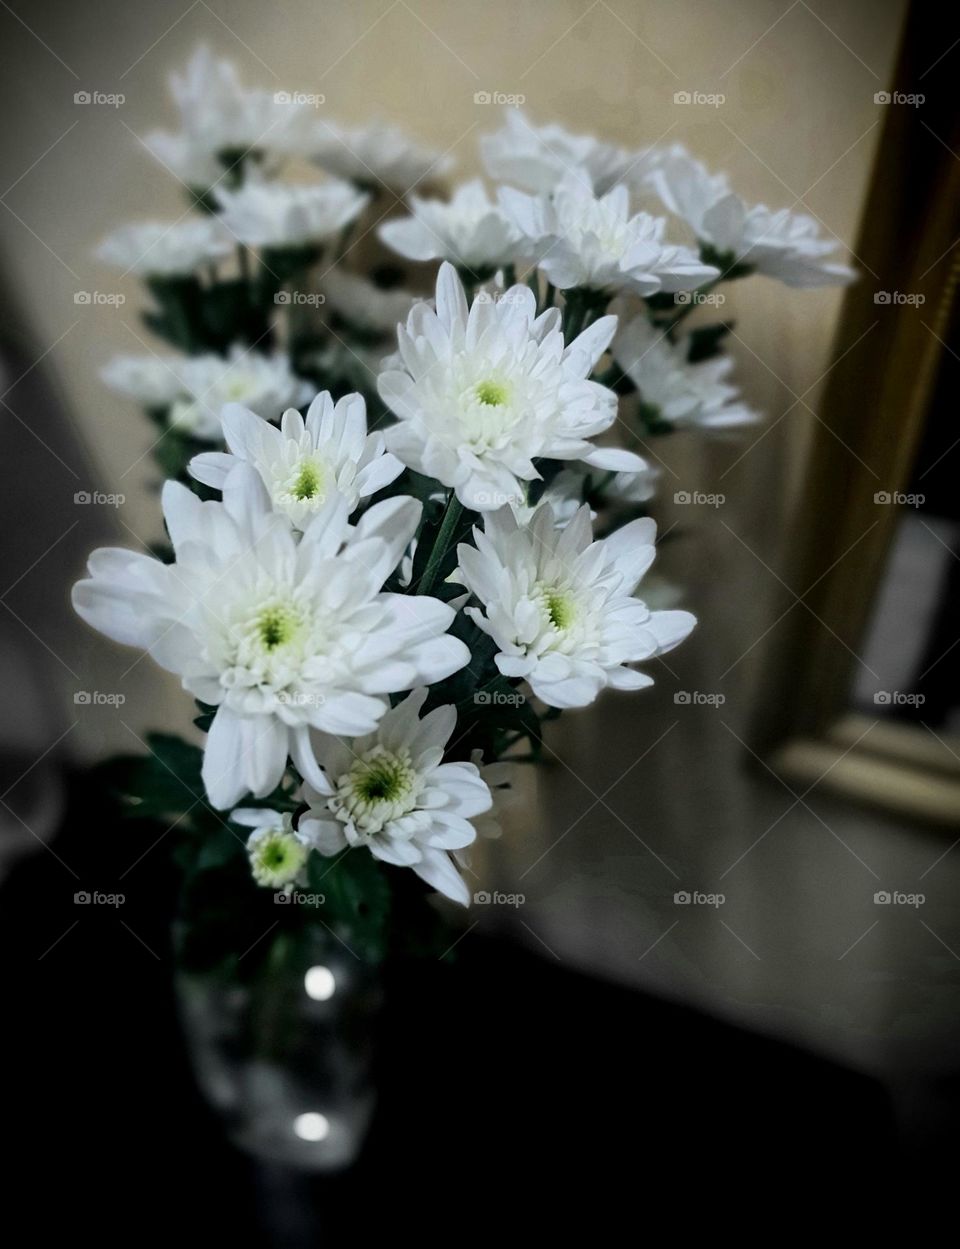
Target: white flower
column 277, row 854
column 579, row 239
column 378, row 154
column 779, row 244
column 392, row 793
column 470, row 230
column 166, row 249
column 536, row 158
column 364, row 305
column 222, row 120
column 287, row 214
column 680, row 393
column 265, row 384
column 302, row 462
column 151, row 380
column 281, row 636
column 486, row 390
column 560, row 606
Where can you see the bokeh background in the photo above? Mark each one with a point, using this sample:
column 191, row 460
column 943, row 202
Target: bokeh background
column 642, row 797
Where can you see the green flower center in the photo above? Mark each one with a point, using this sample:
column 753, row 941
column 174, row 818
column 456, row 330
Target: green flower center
column 493, row 394
column 382, row 781
column 559, row 609
column 276, row 626
column 380, row 787
column 307, row 483
column 276, row 857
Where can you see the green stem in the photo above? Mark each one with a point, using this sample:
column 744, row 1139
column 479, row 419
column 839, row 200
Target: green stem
column 448, row 527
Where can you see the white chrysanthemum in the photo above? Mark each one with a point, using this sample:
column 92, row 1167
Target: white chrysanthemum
column 470, row 230
column 276, row 852
column 579, row 239
column 560, row 606
column 222, row 120
column 288, row 214
column 303, row 462
column 151, row 380
column 166, row 249
column 265, row 384
column 485, row 391
column 378, row 154
column 392, row 793
column 537, row 158
column 678, row 392
column 780, row 244
column 281, row 636
column 364, row 305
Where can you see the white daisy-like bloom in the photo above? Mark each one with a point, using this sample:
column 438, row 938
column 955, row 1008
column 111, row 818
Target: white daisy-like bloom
column 303, row 461
column 277, row 853
column 222, row 120
column 580, row 239
column 391, row 792
column 366, row 306
column 265, row 384
column 780, row 244
column 678, row 392
column 560, row 606
column 377, row 155
column 289, row 214
column 483, row 391
column 537, row 158
column 470, row 230
column 166, row 249
column 151, row 380
column 280, row 635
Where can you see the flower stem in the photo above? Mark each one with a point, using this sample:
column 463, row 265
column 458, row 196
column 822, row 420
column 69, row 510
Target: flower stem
column 448, row 527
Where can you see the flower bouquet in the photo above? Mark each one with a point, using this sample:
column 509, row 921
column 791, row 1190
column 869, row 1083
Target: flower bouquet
column 404, row 532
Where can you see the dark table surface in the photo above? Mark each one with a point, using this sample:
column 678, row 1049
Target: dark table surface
column 514, row 1094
